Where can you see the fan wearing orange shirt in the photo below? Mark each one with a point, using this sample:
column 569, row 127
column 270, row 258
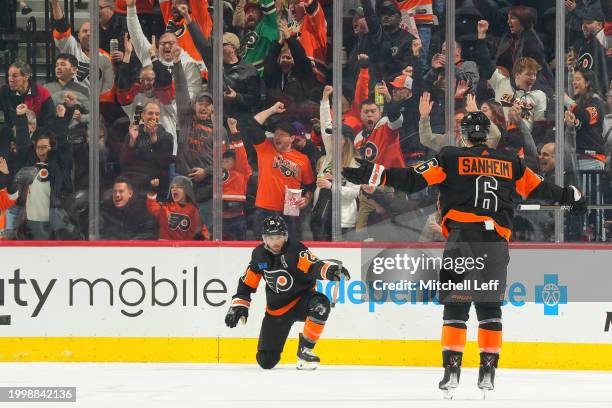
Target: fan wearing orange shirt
column 280, row 168
column 311, row 29
column 8, row 193
column 198, row 10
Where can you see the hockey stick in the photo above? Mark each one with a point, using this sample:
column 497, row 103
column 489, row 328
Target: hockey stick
column 540, row 207
column 336, row 286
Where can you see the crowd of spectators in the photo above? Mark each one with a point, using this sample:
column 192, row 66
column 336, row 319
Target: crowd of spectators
column 156, row 113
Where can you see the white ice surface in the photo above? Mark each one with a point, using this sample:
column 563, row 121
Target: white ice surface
column 247, row 386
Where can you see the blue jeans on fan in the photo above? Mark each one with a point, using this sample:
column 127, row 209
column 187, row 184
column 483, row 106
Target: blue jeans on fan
column 13, row 218
column 234, row 229
column 425, row 34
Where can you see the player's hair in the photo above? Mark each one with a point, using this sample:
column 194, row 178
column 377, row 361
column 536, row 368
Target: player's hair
column 525, row 63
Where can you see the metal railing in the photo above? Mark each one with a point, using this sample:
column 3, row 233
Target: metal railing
column 32, row 37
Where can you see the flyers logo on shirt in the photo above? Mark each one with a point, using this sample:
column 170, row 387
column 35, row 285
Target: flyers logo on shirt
column 179, row 221
column 43, row 175
column 279, row 280
column 225, row 175
column 287, row 167
column 370, row 151
column 585, row 61
column 593, row 115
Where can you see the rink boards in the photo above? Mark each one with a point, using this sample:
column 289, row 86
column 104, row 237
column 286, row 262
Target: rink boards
column 164, row 303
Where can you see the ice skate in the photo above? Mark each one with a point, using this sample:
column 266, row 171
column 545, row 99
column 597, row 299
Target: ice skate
column 486, row 373
column 306, row 359
column 452, row 373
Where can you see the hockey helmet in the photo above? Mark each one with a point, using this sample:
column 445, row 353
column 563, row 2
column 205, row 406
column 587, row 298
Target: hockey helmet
column 475, row 126
column 274, row 225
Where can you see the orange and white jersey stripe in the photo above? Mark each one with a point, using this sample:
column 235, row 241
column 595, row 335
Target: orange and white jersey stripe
column 422, row 10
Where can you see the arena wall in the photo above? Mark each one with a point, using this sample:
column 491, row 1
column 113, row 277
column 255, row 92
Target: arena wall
column 158, row 302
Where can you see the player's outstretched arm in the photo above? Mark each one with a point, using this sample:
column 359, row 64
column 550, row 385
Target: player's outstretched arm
column 332, row 271
column 335, row 272
column 408, row 179
column 529, row 185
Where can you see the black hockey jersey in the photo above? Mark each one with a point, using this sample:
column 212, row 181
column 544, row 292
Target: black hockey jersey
column 476, row 185
column 288, row 276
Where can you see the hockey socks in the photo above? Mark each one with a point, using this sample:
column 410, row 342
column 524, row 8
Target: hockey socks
column 312, row 331
column 453, row 337
column 489, row 341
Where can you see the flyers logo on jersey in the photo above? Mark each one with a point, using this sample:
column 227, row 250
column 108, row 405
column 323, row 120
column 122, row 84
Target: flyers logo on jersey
column 43, row 175
column 370, row 151
column 179, row 221
column 593, row 115
column 278, row 281
column 485, row 166
column 287, row 167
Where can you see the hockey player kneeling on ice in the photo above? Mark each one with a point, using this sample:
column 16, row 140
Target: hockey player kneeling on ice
column 476, row 188
column 290, row 271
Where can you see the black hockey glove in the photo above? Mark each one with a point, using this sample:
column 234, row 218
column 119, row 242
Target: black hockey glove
column 576, row 201
column 366, row 173
column 239, row 310
column 336, row 272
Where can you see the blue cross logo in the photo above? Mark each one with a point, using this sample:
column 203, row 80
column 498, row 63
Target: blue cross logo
column 551, row 295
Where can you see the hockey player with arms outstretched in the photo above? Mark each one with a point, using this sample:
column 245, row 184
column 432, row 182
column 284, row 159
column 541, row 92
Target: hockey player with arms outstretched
column 290, row 272
column 476, row 185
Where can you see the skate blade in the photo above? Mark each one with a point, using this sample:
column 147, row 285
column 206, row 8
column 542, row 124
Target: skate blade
column 485, row 385
column 306, row 365
column 449, row 391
